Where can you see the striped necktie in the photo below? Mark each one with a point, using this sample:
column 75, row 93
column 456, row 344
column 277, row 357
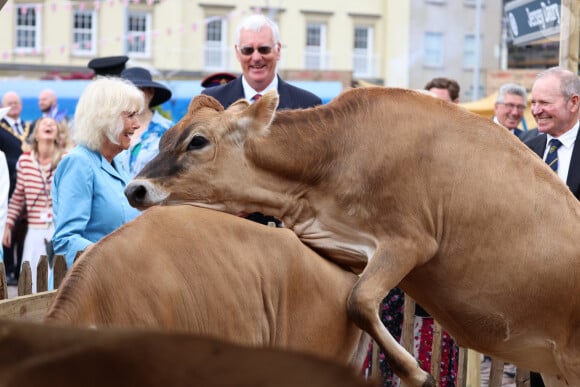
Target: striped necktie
column 552, row 157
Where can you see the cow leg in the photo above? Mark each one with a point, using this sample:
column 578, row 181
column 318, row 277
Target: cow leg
column 381, row 275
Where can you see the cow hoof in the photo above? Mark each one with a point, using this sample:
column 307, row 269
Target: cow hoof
column 430, row 382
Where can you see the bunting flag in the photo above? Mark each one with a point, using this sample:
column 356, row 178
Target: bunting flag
column 69, row 6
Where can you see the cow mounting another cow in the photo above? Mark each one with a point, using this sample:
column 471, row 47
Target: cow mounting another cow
column 413, row 191
column 189, row 269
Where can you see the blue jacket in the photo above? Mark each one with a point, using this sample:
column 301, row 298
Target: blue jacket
column 88, row 201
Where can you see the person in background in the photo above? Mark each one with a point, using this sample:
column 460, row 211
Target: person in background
column 48, row 104
column 556, row 106
column 217, row 79
column 145, row 141
column 89, row 182
column 34, row 176
column 509, row 110
column 4, row 185
column 258, row 50
column 444, row 88
column 13, row 134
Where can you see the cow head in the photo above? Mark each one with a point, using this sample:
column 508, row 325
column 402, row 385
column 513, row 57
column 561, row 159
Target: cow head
column 202, row 158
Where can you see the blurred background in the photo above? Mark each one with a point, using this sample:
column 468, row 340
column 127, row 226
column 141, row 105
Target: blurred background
column 328, row 45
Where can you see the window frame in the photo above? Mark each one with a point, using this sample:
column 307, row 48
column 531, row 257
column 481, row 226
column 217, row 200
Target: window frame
column 429, row 46
column 34, row 30
column 216, row 53
column 144, row 36
column 364, row 56
column 316, row 56
column 92, row 32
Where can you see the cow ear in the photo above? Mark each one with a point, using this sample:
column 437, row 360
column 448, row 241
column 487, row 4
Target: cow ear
column 261, row 114
column 204, row 101
column 238, row 106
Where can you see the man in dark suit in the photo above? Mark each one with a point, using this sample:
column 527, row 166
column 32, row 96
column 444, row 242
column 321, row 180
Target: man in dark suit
column 555, row 106
column 13, row 134
column 258, row 51
column 509, row 110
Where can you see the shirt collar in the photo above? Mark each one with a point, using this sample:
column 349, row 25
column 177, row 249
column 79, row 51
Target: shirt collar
column 249, row 92
column 11, row 121
column 569, row 138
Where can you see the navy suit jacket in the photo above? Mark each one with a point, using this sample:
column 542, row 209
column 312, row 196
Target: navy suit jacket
column 291, row 97
column 538, row 145
column 11, row 145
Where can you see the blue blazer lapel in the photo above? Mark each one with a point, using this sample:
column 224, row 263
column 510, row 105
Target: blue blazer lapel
column 115, row 171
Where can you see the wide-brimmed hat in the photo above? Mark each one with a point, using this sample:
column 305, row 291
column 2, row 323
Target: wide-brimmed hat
column 108, row 65
column 141, row 77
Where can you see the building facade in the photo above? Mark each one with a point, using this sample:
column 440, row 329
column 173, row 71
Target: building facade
column 400, row 43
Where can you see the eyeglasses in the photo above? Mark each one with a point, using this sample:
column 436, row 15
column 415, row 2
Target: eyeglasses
column 249, row 50
column 511, row 106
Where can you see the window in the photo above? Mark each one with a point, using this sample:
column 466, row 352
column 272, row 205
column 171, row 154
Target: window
column 139, row 34
column 433, row 49
column 216, row 50
column 27, row 28
column 84, row 32
column 315, row 58
column 469, row 51
column 362, row 61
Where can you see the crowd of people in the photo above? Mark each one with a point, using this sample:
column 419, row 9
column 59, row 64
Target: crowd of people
column 62, row 189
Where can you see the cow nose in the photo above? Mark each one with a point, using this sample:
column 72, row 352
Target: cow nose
column 136, row 193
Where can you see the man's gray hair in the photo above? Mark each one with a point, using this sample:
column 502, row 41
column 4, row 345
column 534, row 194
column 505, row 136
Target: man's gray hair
column 569, row 82
column 511, row 88
column 255, row 23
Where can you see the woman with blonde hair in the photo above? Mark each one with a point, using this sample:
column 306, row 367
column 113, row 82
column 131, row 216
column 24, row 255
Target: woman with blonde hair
column 89, row 183
column 35, row 170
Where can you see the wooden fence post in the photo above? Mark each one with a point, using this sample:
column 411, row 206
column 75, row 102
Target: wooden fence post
column 59, row 269
column 42, row 274
column 3, row 286
column 25, row 279
column 436, row 350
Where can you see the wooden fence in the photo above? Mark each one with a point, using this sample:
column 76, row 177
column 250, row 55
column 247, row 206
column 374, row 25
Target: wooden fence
column 32, row 307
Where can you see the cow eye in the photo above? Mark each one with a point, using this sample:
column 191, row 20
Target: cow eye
column 197, row 142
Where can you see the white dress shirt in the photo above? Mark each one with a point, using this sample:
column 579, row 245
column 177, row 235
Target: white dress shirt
column 565, row 151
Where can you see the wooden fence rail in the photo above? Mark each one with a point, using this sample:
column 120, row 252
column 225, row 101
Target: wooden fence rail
column 33, row 307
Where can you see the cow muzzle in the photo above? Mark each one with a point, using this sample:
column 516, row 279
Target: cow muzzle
column 142, row 194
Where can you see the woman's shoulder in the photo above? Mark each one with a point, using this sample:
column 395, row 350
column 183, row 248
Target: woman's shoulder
column 78, row 158
column 80, row 152
column 26, row 157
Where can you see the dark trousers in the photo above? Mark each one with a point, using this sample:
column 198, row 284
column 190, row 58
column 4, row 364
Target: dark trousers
column 536, row 380
column 13, row 254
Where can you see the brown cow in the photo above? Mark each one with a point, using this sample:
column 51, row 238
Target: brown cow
column 33, row 355
column 418, row 192
column 189, row 269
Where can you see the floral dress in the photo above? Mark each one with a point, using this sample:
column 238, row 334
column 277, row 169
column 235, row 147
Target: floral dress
column 143, row 151
column 391, row 312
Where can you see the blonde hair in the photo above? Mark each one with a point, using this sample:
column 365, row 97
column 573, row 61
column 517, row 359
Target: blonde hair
column 98, row 111
column 58, row 149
